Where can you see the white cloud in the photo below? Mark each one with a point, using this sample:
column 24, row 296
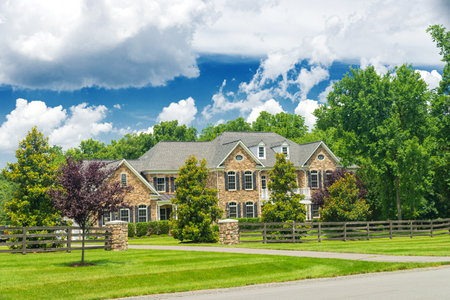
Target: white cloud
column 24, row 117
column 117, row 106
column 62, row 128
column 73, row 44
column 271, row 106
column 306, row 108
column 184, row 111
column 308, row 79
column 380, row 68
column 323, row 95
column 431, row 78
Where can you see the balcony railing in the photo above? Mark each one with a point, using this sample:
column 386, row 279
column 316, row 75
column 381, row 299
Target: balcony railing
column 265, row 193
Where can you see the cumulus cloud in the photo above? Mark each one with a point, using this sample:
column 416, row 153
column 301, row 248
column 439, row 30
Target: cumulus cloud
column 184, row 111
column 62, row 128
column 74, row 44
column 117, row 106
column 271, row 106
column 306, row 108
column 431, row 78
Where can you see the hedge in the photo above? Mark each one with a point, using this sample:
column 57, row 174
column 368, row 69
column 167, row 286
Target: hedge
column 149, row 228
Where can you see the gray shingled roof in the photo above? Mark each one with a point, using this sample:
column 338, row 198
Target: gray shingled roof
column 172, row 155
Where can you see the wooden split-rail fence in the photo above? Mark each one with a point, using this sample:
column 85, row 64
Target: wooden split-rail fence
column 339, row 231
column 51, row 238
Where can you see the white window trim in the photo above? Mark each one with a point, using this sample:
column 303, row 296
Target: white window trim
column 287, row 150
column 316, row 173
column 250, row 174
column 263, row 146
column 122, row 176
column 235, row 205
column 139, row 210
column 120, row 214
column 164, row 184
column 253, row 209
column 235, row 181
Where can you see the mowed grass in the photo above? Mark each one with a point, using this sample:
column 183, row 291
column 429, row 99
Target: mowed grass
column 435, row 246
column 141, row 272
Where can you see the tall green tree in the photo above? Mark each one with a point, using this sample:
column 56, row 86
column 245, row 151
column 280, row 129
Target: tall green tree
column 172, row 131
column 212, row 131
column 344, row 202
column 197, row 205
column 284, row 205
column 290, row 126
column 381, row 123
column 33, row 173
column 7, row 189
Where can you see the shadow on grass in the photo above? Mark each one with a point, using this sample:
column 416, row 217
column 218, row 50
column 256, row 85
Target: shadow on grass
column 90, row 262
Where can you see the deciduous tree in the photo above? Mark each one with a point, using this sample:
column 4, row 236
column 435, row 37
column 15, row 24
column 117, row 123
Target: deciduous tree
column 197, row 205
column 84, row 190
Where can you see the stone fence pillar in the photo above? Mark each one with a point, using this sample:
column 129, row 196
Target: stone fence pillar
column 228, row 232
column 119, row 237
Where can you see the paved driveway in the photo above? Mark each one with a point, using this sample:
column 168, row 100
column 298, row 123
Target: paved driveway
column 317, row 254
column 415, row 284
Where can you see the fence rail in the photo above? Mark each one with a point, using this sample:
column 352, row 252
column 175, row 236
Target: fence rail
column 339, row 231
column 49, row 239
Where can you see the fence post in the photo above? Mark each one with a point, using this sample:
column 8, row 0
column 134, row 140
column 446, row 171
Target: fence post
column 368, row 231
column 264, row 234
column 318, row 233
column 293, row 232
column 24, row 240
column 345, row 232
column 410, row 229
column 431, row 229
column 390, row 229
column 69, row 239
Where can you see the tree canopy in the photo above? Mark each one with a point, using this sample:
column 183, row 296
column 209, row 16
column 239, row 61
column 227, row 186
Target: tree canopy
column 197, row 205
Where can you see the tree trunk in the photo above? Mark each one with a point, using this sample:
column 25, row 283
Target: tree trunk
column 83, row 231
column 397, row 195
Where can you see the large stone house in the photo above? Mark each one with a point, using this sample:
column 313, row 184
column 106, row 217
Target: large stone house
column 238, row 164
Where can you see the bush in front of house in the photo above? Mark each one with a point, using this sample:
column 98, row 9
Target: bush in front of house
column 151, row 227
column 131, row 230
column 142, row 229
column 248, row 220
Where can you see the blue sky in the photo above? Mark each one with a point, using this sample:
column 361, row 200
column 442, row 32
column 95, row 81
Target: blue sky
column 81, row 69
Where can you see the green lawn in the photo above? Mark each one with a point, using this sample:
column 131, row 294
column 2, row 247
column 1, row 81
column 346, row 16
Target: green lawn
column 140, row 272
column 436, row 246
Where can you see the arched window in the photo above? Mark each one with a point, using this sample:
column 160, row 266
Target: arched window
column 231, row 180
column 248, row 177
column 142, row 213
column 249, row 210
column 314, row 179
column 232, row 206
column 123, row 178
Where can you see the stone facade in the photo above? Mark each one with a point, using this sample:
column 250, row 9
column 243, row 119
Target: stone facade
column 119, row 236
column 228, row 232
column 140, row 193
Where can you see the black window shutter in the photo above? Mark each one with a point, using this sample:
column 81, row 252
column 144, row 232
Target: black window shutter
column 239, row 210
column 172, row 184
column 113, row 216
column 237, row 181
column 228, row 210
column 100, row 220
column 154, row 183
column 254, row 180
column 320, row 179
column 136, row 215
column 149, row 213
column 167, row 184
column 131, row 214
column 243, row 180
column 309, row 179
column 225, row 175
column 255, row 210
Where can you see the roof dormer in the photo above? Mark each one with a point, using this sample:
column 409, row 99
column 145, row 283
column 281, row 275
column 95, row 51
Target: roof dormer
column 261, row 150
column 285, row 149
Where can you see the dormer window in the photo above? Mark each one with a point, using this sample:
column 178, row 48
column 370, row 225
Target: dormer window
column 261, row 151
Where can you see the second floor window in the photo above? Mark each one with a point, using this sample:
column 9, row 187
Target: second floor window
column 248, row 177
column 263, row 182
column 231, row 180
column 160, row 184
column 124, row 179
column 314, row 179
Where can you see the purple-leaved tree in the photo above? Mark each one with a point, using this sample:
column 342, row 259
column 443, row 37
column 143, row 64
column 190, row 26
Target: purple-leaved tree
column 83, row 191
